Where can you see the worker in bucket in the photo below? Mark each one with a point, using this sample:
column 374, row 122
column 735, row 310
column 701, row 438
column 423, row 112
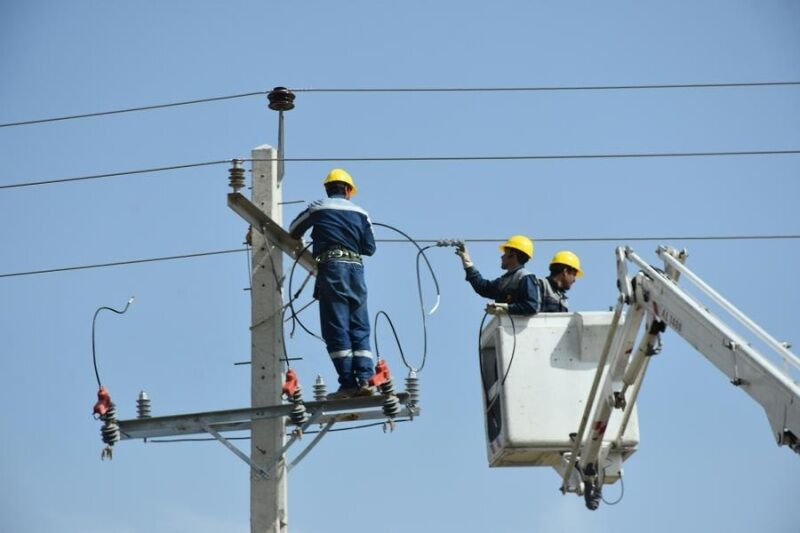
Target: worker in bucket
column 517, row 291
column 341, row 235
column 565, row 268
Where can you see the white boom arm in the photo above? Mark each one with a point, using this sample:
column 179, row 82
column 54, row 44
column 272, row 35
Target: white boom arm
column 653, row 296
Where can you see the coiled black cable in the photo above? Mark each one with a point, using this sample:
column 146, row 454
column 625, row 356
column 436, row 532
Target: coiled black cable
column 420, row 252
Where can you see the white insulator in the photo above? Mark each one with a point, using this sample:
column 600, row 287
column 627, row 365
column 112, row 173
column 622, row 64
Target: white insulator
column 412, row 388
column 143, row 405
column 320, row 390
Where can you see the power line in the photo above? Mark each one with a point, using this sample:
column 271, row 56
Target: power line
column 120, row 263
column 414, row 158
column 530, row 157
column 113, row 174
column 130, row 109
column 477, row 240
column 549, row 88
column 552, row 88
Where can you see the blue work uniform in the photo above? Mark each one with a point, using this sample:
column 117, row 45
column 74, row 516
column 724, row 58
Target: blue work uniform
column 341, row 234
column 518, row 288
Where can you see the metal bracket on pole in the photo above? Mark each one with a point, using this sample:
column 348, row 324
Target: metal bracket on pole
column 271, row 230
column 294, row 438
column 214, row 433
column 313, row 443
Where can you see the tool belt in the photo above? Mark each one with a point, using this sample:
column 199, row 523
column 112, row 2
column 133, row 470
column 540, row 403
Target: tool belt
column 338, row 254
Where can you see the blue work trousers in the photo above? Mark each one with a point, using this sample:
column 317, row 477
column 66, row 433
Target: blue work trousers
column 344, row 320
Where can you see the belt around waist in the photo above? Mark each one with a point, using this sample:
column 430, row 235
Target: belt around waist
column 338, row 254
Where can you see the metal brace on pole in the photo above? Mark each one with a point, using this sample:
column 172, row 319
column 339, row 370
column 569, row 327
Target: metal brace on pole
column 240, row 454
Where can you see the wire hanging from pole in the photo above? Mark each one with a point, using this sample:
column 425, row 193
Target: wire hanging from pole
column 94, row 321
column 420, row 252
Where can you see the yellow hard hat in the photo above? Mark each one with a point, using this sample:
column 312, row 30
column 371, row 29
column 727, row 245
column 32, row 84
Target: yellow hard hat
column 519, row 242
column 337, row 174
column 565, row 257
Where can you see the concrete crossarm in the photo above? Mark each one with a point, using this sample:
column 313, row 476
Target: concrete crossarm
column 272, row 231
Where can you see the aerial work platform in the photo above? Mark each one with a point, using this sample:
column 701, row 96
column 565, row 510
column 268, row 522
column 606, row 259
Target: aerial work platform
column 537, row 372
column 560, row 389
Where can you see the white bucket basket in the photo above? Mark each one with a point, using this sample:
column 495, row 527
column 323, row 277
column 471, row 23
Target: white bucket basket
column 534, row 402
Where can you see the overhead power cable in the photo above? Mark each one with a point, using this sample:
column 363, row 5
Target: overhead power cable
column 412, row 90
column 545, row 88
column 120, row 263
column 472, row 240
column 131, row 109
column 410, row 158
column 113, row 174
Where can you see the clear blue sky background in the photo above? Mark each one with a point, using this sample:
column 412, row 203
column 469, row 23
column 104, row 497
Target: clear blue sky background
column 706, row 462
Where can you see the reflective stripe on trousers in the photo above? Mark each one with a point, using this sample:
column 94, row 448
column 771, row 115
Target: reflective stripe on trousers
column 344, row 319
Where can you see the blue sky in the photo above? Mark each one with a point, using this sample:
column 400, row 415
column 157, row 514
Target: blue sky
column 706, row 461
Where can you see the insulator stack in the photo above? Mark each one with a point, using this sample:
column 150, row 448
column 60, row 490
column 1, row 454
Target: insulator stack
column 110, row 429
column 236, row 175
column 143, row 405
column 391, row 403
column 281, row 99
column 412, row 388
column 320, row 390
column 298, row 414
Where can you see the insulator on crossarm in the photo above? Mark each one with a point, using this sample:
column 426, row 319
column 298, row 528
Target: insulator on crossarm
column 298, row 414
column 143, row 405
column 391, row 403
column 412, row 388
column 236, row 175
column 320, row 390
column 110, row 430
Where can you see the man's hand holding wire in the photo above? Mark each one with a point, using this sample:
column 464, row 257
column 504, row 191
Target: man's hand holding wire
column 495, row 308
column 466, row 260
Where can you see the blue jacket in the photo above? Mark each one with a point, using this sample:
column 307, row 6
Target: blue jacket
column 518, row 288
column 336, row 221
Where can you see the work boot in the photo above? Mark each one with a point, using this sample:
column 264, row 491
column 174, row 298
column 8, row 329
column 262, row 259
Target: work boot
column 365, row 389
column 343, row 393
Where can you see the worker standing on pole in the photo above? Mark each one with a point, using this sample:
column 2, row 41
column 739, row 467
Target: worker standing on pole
column 341, row 235
column 565, row 268
column 515, row 292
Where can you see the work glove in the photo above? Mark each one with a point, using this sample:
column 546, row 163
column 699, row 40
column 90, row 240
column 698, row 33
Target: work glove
column 301, row 244
column 495, row 308
column 466, row 260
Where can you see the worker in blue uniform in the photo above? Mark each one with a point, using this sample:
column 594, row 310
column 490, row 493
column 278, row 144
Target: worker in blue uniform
column 517, row 291
column 341, row 235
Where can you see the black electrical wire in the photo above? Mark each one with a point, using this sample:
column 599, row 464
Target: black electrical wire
column 114, row 174
column 293, row 297
column 420, row 251
column 131, row 109
column 622, row 490
column 547, row 88
column 120, row 263
column 396, row 337
column 552, row 88
column 94, row 321
column 471, row 240
column 510, row 361
column 411, row 158
column 632, row 155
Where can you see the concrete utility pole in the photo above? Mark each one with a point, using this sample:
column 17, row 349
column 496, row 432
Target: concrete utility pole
column 267, row 495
